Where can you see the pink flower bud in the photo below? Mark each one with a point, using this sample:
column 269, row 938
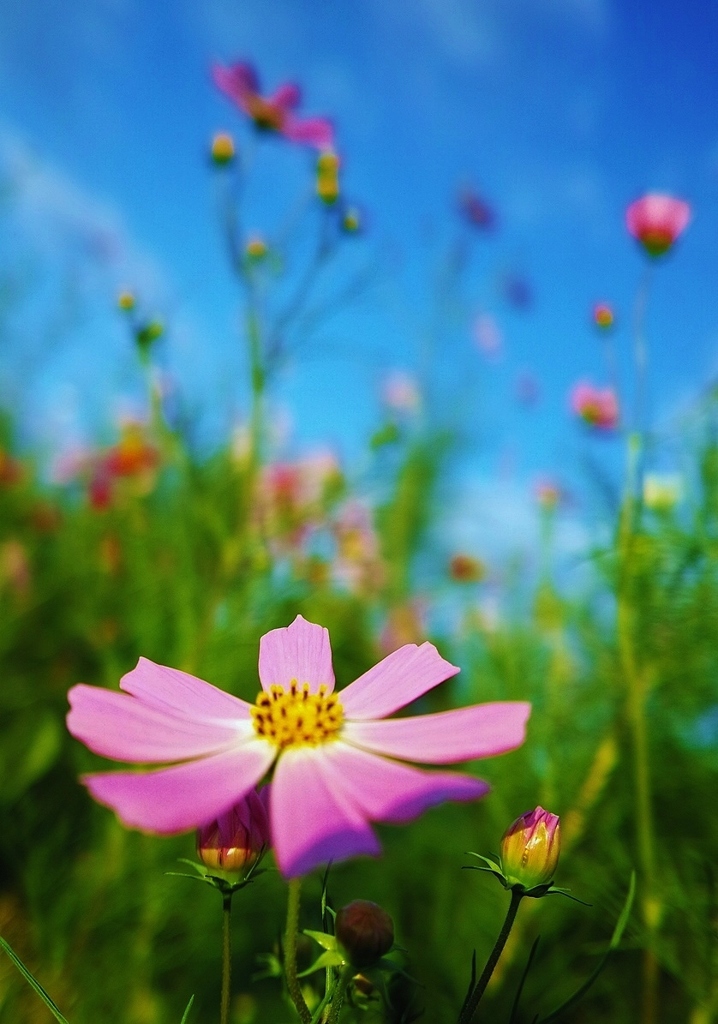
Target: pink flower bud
column 530, row 849
column 657, row 220
column 365, row 931
column 234, row 841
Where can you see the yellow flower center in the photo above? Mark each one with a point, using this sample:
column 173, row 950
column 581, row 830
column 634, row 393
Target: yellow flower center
column 296, row 717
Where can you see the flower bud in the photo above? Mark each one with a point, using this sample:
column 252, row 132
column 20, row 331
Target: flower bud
column 222, row 149
column 351, row 221
column 328, row 177
column 530, row 849
column 256, row 248
column 466, row 569
column 603, row 316
column 365, row 931
column 126, row 301
column 233, row 842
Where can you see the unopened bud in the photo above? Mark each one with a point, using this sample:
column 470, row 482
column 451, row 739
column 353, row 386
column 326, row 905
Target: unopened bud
column 365, row 931
column 351, row 221
column 530, row 849
column 603, row 316
column 222, row 150
column 328, row 177
column 233, row 842
column 256, row 248
column 126, row 301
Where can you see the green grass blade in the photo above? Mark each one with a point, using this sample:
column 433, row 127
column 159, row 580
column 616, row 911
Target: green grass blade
column 185, row 1015
column 33, row 982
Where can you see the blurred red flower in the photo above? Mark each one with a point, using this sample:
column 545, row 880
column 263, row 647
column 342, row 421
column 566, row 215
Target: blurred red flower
column 656, row 221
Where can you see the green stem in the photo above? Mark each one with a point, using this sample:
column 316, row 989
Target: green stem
column 339, row 992
column 640, row 349
column 290, row 950
column 636, row 688
column 226, row 956
column 473, row 1000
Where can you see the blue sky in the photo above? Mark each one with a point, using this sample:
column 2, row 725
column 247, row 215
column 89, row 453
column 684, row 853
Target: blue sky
column 559, row 111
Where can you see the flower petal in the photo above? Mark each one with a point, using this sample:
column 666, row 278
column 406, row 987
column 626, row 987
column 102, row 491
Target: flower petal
column 300, row 652
column 168, row 689
column 389, row 791
column 185, row 796
column 127, row 729
column 312, row 822
column 312, row 131
column 396, row 681
column 236, row 81
column 447, row 737
column 287, row 96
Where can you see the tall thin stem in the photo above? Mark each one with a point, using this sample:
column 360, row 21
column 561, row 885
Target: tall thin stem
column 226, row 956
column 339, row 992
column 290, row 950
column 635, row 677
column 473, row 1000
column 640, row 350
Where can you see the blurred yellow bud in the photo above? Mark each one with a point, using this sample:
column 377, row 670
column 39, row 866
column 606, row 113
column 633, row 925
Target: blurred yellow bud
column 222, row 149
column 256, row 248
column 126, row 301
column 328, row 177
column 662, row 491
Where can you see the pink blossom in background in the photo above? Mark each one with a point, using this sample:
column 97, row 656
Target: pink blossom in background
column 475, row 210
column 548, row 493
column 596, row 406
column 275, row 113
column 337, row 759
column 657, row 220
column 488, row 337
column 400, row 392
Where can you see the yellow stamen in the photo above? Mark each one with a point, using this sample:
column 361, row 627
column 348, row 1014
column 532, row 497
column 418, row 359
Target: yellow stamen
column 296, row 717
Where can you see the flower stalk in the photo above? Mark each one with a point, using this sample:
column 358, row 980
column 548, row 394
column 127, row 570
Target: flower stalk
column 290, row 950
column 226, row 956
column 474, row 997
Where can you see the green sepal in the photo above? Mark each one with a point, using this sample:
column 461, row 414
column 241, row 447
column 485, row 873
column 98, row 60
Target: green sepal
column 329, row 958
column 224, row 886
column 325, row 940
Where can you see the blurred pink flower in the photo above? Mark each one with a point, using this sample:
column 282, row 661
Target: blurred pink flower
column 275, row 113
column 548, row 493
column 336, row 759
column 656, row 221
column 596, row 406
column 475, row 210
column 487, row 336
column 400, row 392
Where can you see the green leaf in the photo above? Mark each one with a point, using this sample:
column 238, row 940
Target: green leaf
column 625, row 913
column 33, row 982
column 185, row 1015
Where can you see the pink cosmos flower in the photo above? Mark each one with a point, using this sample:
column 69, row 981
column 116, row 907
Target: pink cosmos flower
column 657, row 221
column 275, row 113
column 337, row 759
column 596, row 406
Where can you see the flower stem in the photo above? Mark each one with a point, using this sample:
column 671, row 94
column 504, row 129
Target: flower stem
column 640, row 350
column 636, row 681
column 226, row 956
column 339, row 993
column 290, row 950
column 474, row 998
